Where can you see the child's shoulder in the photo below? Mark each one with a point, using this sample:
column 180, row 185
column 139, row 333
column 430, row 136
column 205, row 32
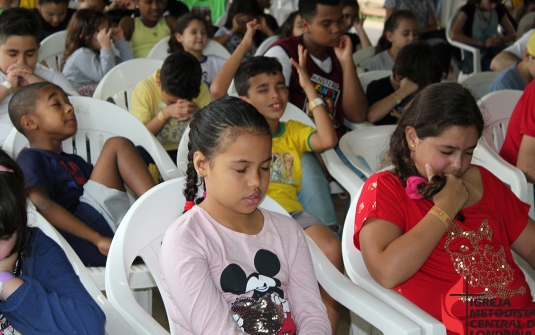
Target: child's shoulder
column 282, row 222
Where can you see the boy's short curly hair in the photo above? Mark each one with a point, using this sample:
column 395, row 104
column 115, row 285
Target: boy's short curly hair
column 181, row 75
column 253, row 67
column 18, row 22
column 309, row 8
column 23, row 103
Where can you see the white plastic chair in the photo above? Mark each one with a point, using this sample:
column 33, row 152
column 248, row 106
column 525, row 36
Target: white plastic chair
column 363, row 57
column 214, row 48
column 476, row 55
column 52, row 49
column 165, row 203
column 266, row 44
column 120, row 81
column 479, row 83
column 369, row 144
column 498, row 107
column 525, row 24
column 115, row 324
column 159, row 50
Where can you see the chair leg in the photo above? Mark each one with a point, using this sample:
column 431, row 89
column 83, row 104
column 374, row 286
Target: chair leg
column 359, row 326
column 144, row 298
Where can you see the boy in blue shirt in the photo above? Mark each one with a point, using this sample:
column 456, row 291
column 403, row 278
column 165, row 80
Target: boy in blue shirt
column 85, row 202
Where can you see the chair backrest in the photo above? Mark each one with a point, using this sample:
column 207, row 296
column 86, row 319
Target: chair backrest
column 475, row 53
column 214, row 48
column 159, row 50
column 497, row 107
column 292, row 112
column 479, row 83
column 367, row 77
column 164, row 202
column 52, row 49
column 115, row 324
column 525, row 24
column 364, row 147
column 363, row 57
column 97, row 121
column 265, row 45
column 120, row 81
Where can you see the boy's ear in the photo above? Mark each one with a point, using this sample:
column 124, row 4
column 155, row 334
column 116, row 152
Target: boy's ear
column 28, row 122
column 200, row 163
column 158, row 82
column 305, row 25
column 244, row 98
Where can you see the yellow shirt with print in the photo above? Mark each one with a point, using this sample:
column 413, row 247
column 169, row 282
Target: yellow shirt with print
column 147, row 102
column 288, row 147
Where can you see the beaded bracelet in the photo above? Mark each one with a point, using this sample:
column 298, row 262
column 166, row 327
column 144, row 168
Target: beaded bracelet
column 443, row 216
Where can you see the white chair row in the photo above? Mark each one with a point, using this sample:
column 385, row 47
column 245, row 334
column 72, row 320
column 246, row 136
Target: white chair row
column 97, row 121
column 159, row 50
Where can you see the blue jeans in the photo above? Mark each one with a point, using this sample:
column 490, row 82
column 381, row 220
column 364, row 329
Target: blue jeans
column 315, row 193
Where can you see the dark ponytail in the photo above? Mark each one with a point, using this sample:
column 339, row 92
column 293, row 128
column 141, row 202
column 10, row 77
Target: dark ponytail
column 13, row 215
column 219, row 122
column 391, row 25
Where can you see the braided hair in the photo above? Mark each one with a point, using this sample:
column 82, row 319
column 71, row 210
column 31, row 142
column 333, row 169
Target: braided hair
column 215, row 125
column 432, row 111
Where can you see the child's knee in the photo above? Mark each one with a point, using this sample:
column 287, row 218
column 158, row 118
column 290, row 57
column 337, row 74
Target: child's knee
column 118, row 143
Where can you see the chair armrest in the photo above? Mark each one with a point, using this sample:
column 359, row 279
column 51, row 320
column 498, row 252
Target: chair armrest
column 356, row 299
column 353, row 126
column 343, row 174
column 165, row 165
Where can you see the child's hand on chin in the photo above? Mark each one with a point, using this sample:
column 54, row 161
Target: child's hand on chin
column 8, row 263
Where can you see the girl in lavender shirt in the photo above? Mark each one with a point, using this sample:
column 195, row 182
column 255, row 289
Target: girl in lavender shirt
column 229, row 267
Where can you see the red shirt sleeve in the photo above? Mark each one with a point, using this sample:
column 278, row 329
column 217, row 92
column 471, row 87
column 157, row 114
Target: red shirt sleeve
column 383, row 197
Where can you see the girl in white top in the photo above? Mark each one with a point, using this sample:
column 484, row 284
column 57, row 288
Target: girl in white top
column 191, row 35
column 88, row 55
column 227, row 266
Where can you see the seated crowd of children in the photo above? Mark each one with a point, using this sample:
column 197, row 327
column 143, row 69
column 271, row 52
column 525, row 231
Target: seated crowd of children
column 241, row 260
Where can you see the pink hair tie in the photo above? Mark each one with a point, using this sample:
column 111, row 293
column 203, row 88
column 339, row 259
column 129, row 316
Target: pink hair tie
column 5, row 169
column 189, row 205
column 204, row 195
column 412, row 187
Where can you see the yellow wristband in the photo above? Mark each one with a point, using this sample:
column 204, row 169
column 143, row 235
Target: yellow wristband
column 397, row 98
column 443, row 216
column 162, row 117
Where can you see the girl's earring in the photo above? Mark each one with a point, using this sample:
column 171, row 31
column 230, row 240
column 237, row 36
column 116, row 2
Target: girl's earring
column 413, row 145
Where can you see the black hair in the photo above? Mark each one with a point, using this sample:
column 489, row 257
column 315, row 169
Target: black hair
column 18, row 22
column 391, row 25
column 309, row 8
column 181, row 24
column 432, row 111
column 350, row 3
column 419, row 63
column 287, row 27
column 13, row 215
column 253, row 67
column 215, row 126
column 250, row 7
column 23, row 102
column 477, row 2
column 57, row 2
column 181, row 75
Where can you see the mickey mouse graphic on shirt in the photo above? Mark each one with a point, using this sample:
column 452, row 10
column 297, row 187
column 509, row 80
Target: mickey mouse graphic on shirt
column 266, row 310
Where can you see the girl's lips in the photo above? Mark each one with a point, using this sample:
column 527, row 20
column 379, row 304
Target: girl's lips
column 253, row 199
